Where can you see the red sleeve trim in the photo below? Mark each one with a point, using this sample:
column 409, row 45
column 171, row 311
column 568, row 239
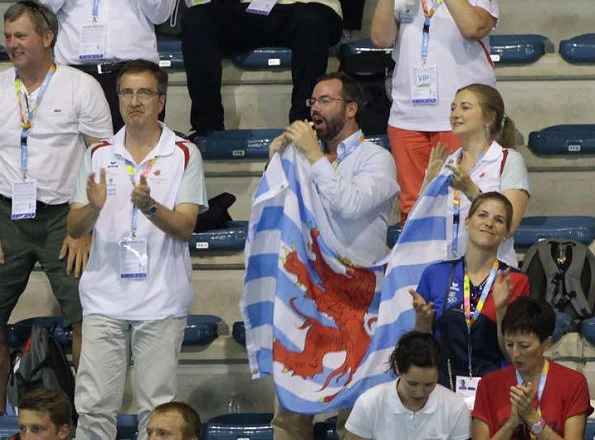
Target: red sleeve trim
column 487, row 52
column 504, row 157
column 98, row 146
column 182, row 146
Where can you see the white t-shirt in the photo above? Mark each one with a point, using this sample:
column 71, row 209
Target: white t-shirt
column 487, row 176
column 379, row 414
column 459, row 63
column 176, row 177
column 73, row 105
column 130, row 27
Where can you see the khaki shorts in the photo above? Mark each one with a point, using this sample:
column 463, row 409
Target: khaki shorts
column 26, row 242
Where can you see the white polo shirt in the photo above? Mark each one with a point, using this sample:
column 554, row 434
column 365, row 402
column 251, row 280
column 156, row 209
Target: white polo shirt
column 459, row 63
column 490, row 175
column 73, row 106
column 130, row 27
column 379, row 414
column 176, row 177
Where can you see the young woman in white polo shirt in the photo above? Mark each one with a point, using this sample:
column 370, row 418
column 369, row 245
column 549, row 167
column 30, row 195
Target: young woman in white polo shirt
column 413, row 406
column 439, row 46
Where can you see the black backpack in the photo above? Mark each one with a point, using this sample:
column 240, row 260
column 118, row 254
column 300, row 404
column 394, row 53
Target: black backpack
column 41, row 364
column 562, row 272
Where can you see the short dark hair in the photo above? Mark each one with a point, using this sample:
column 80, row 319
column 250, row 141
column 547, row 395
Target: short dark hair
column 190, row 417
column 42, row 17
column 54, row 402
column 493, row 195
column 351, row 90
column 529, row 315
column 138, row 66
column 415, row 348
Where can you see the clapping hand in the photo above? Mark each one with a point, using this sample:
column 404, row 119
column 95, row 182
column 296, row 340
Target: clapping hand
column 141, row 195
column 97, row 192
column 436, row 162
column 502, row 289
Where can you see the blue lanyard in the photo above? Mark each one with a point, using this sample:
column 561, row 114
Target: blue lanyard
column 95, row 11
column 27, row 119
column 467, row 305
column 130, row 167
column 542, row 380
column 456, row 209
column 347, row 152
column 428, row 14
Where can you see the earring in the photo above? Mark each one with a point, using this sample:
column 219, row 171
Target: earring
column 487, row 130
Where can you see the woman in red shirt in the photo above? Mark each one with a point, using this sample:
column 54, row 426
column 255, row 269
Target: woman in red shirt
column 533, row 398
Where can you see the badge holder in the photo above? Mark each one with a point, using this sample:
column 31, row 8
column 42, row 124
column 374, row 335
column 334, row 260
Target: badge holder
column 261, row 7
column 133, row 258
column 466, row 387
column 24, row 200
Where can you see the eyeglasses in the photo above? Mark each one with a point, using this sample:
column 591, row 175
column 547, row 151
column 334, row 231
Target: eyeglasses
column 143, row 94
column 36, row 7
column 323, row 100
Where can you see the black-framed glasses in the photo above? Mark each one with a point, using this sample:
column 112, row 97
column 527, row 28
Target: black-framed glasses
column 143, row 94
column 323, row 100
column 34, row 6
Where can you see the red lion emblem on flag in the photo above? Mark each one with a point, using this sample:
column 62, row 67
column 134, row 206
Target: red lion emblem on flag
column 344, row 298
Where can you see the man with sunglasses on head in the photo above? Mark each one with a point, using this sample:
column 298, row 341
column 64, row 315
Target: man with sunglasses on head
column 49, row 113
column 99, row 36
column 140, row 193
column 355, row 179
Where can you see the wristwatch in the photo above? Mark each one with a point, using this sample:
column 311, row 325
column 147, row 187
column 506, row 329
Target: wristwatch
column 538, row 427
column 152, row 210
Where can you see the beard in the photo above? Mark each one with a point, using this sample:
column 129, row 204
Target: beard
column 331, row 128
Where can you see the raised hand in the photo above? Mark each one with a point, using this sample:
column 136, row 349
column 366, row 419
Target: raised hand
column 502, row 289
column 97, row 192
column 438, row 156
column 424, row 312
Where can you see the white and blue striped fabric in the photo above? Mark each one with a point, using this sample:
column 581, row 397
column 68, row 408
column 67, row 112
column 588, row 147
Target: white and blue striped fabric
column 315, row 316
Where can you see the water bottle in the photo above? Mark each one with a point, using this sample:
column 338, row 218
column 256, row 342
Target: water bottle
column 234, row 404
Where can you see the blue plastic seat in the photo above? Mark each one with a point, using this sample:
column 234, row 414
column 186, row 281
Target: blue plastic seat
column 392, row 235
column 246, row 426
column 3, row 54
column 239, row 332
column 18, row 333
column 379, row 139
column 127, row 426
column 326, row 430
column 579, row 49
column 264, row 58
column 517, row 49
column 232, row 238
column 237, row 144
column 170, row 54
column 201, row 330
column 568, row 140
column 362, row 58
column 9, row 425
column 532, row 229
column 590, row 429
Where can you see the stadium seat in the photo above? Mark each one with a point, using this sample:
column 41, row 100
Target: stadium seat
column 363, row 58
column 568, row 140
column 249, row 144
column 239, row 333
column 240, row 426
column 579, row 49
column 230, row 238
column 590, row 429
column 237, row 144
column 170, row 54
column 127, row 425
column 326, row 430
column 19, row 332
column 9, row 425
column 3, row 54
column 264, row 58
column 392, row 235
column 201, row 330
column 532, row 229
column 517, row 49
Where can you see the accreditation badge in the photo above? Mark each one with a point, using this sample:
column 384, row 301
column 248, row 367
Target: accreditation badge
column 424, row 85
column 133, row 258
column 466, row 387
column 24, row 200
